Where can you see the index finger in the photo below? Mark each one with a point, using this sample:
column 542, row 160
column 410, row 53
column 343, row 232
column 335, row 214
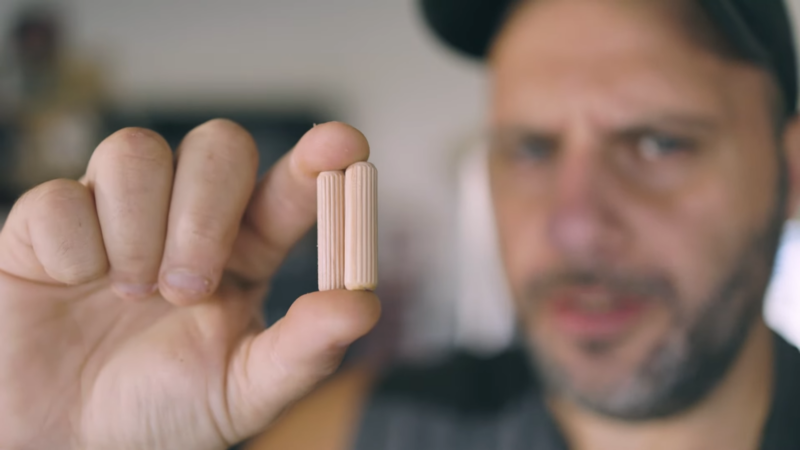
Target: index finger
column 284, row 204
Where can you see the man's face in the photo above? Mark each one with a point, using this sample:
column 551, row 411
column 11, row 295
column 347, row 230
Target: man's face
column 636, row 180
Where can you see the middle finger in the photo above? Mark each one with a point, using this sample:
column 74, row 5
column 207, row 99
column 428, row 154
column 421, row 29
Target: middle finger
column 215, row 177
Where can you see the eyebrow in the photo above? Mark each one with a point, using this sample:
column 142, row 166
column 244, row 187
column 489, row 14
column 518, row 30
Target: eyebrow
column 681, row 121
column 693, row 122
column 678, row 121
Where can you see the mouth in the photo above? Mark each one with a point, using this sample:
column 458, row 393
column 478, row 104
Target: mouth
column 596, row 314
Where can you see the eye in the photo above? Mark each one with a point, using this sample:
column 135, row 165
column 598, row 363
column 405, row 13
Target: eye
column 534, row 148
column 654, row 146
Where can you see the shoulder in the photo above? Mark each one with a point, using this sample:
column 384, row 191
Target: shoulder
column 467, row 401
column 463, row 382
column 780, row 431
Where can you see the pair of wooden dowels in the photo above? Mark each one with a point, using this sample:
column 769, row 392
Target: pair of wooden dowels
column 347, row 228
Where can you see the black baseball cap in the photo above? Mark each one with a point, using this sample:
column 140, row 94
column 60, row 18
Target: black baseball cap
column 760, row 29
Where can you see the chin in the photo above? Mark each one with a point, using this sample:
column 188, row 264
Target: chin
column 611, row 374
column 593, row 366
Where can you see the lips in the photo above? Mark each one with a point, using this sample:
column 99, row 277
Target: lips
column 596, row 314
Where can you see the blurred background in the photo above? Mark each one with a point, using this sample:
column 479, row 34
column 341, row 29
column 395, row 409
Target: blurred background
column 72, row 71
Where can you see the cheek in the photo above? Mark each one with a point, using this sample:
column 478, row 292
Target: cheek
column 700, row 240
column 522, row 237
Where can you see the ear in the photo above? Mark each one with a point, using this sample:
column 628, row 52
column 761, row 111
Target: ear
column 791, row 148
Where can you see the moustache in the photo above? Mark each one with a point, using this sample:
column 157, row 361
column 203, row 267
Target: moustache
column 650, row 287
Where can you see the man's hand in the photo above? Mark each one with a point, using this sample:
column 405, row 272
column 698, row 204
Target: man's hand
column 130, row 301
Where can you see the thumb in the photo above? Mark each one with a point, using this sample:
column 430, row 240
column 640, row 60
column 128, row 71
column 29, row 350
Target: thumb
column 286, row 361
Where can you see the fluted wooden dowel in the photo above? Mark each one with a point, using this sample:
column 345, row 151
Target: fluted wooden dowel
column 330, row 230
column 361, row 227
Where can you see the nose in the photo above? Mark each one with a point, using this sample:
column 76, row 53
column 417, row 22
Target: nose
column 583, row 224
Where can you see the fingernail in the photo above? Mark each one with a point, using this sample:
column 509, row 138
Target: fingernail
column 135, row 290
column 187, row 282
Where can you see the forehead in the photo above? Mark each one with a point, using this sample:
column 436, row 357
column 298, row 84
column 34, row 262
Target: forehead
column 626, row 55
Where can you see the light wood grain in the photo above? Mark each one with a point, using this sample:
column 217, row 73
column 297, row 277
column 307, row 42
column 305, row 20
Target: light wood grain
column 361, row 227
column 330, row 230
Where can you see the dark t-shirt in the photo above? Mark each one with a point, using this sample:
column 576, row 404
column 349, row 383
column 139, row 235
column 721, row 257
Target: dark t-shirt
column 470, row 403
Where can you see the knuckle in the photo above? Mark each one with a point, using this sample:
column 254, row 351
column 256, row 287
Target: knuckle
column 79, row 270
column 222, row 128
column 137, row 135
column 135, row 148
column 228, row 138
column 60, row 211
column 138, row 259
column 56, row 196
column 206, row 230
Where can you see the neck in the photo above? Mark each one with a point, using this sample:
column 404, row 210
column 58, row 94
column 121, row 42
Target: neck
column 732, row 416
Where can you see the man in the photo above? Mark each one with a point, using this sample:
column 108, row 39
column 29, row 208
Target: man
column 645, row 156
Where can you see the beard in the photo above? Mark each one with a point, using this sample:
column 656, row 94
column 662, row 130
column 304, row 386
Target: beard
column 696, row 353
